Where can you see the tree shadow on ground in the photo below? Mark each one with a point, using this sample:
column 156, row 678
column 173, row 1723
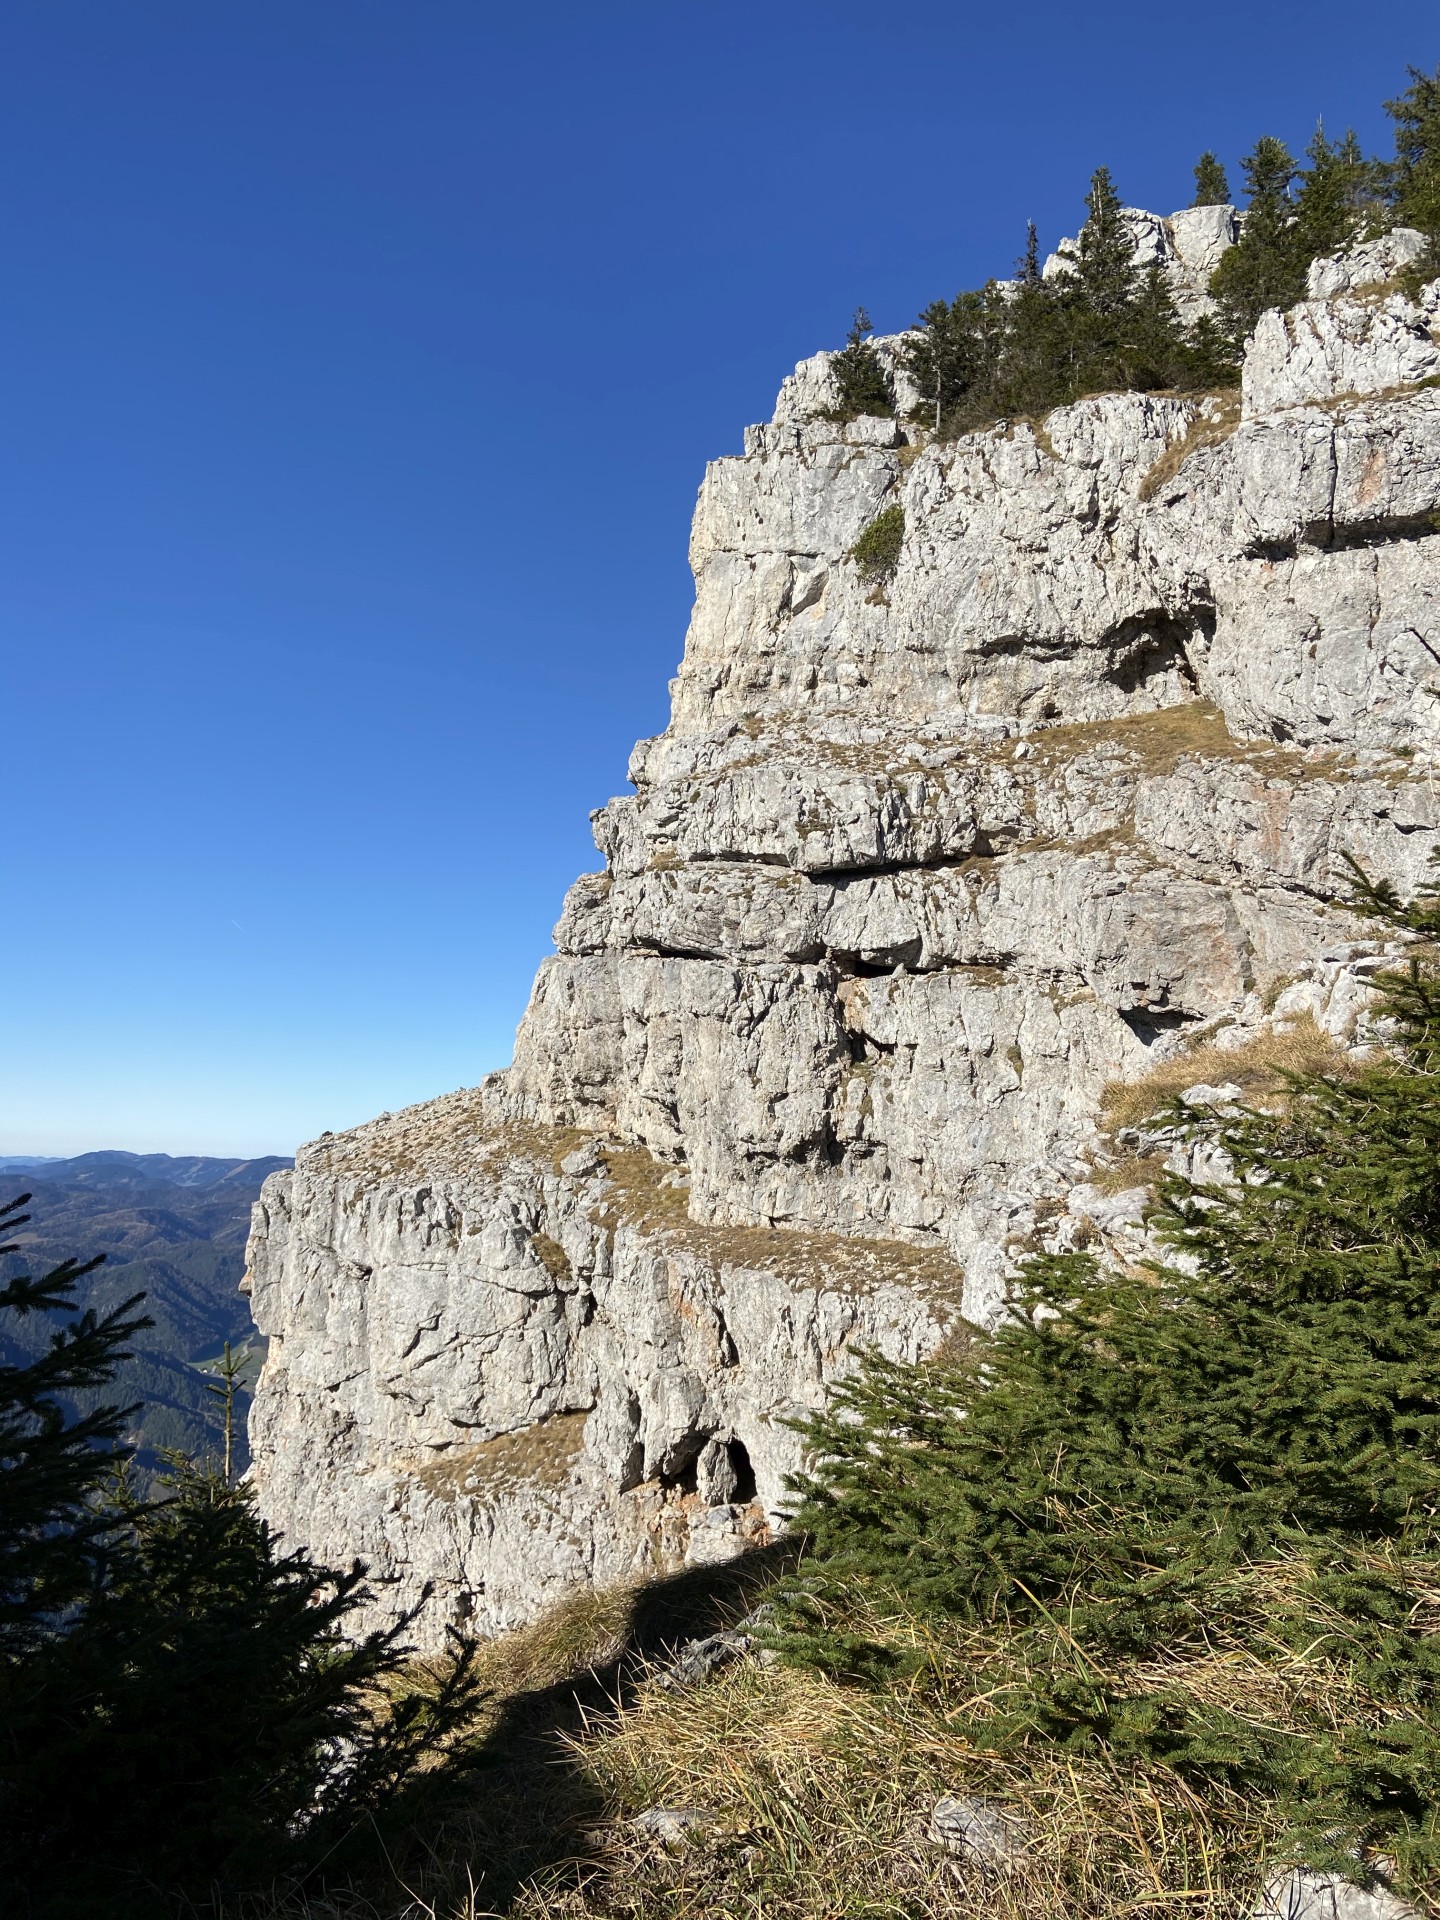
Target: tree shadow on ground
column 517, row 1805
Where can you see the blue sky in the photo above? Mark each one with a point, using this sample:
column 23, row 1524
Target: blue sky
column 360, row 362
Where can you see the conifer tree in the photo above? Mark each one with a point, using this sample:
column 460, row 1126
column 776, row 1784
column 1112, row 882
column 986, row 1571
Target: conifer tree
column 1027, row 267
column 1266, row 266
column 182, row 1703
column 55, row 1530
column 1339, row 195
column 1104, row 273
column 1212, row 189
column 954, row 360
column 1416, row 172
column 865, row 385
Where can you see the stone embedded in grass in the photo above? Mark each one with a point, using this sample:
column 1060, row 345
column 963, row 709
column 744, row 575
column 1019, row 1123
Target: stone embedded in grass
column 698, row 1659
column 978, row 1830
column 674, row 1826
column 1202, row 1094
column 1300, row 1894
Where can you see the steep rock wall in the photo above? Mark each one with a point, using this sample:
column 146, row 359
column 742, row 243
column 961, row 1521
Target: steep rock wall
column 916, row 868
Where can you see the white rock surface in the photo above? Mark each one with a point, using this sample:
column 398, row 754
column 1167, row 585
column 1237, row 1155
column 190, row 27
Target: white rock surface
column 1187, row 248
column 1300, row 1894
column 1371, row 263
column 913, row 872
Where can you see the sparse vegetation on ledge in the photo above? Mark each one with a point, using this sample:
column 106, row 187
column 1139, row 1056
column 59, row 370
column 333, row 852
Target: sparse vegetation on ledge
column 877, row 551
column 1264, row 1069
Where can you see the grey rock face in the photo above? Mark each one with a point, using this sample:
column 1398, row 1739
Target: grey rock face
column 1187, row 248
column 698, row 1659
column 915, row 870
column 674, row 1826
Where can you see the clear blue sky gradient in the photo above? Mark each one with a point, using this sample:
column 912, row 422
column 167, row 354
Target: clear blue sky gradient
column 361, row 360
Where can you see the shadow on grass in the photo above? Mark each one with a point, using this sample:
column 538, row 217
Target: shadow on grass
column 516, row 1806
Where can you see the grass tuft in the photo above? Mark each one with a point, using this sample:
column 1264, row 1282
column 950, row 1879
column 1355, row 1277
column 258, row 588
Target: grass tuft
column 1259, row 1069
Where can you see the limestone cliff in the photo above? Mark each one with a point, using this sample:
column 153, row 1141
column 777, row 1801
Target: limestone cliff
column 919, row 865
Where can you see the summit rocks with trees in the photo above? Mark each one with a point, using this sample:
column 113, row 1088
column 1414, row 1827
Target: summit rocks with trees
column 1019, row 347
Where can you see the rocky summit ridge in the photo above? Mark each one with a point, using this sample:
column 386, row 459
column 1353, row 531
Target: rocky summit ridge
column 924, row 860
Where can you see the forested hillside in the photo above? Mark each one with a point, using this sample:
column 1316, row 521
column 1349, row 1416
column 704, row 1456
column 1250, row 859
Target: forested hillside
column 173, row 1228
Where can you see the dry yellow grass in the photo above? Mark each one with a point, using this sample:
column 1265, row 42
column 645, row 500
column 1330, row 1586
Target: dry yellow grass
column 641, row 1193
column 1205, row 430
column 538, row 1455
column 1130, row 1171
column 1258, row 1069
column 820, row 1797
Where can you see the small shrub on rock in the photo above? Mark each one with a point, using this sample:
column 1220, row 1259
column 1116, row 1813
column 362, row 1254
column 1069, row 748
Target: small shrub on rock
column 877, row 552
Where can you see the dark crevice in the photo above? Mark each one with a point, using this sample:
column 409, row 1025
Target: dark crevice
column 982, row 848
column 864, row 1050
column 1155, row 646
column 652, row 950
column 680, row 1469
column 742, row 1471
column 632, row 1468
column 1036, row 649
column 1149, row 1024
column 850, row 966
column 1380, row 532
column 1271, row 550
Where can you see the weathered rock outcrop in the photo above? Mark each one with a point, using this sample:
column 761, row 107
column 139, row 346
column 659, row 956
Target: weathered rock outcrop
column 916, row 868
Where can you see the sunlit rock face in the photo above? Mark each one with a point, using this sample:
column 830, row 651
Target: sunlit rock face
column 918, row 866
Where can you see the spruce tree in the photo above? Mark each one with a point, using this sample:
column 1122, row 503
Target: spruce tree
column 1266, row 266
column 1104, row 273
column 183, row 1704
column 860, row 374
column 954, row 360
column 1212, row 189
column 1415, row 176
column 1027, row 267
column 1101, row 324
column 55, row 1528
column 1338, row 196
column 1231, row 1455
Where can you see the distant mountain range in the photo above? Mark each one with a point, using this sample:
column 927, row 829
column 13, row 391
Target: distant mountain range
column 172, row 1227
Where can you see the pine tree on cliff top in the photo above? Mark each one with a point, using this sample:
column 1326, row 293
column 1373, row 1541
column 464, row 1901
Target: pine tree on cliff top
column 1266, row 266
column 1236, row 1455
column 1416, row 173
column 860, row 374
column 1212, row 189
column 1104, row 275
column 1339, row 195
